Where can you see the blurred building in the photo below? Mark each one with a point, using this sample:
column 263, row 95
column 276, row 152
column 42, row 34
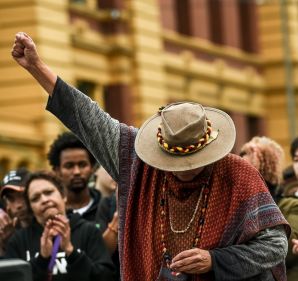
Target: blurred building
column 133, row 56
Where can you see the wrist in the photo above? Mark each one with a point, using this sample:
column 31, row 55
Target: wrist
column 45, row 255
column 69, row 250
column 36, row 67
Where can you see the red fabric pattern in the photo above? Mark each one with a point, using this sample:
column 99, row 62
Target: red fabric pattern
column 233, row 183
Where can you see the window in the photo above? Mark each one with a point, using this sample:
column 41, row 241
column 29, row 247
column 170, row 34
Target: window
column 183, row 24
column 215, row 21
column 248, row 26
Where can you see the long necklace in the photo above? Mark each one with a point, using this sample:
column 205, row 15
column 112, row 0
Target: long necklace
column 191, row 220
column 203, row 195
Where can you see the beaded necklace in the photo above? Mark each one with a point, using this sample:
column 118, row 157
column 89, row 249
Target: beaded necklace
column 203, row 197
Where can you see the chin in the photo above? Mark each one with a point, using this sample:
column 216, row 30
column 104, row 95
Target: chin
column 78, row 188
column 185, row 178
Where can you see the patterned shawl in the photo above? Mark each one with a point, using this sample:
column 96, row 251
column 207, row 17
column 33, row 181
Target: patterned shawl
column 239, row 206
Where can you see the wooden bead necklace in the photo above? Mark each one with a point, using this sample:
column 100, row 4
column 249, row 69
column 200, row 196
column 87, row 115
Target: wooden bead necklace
column 203, row 197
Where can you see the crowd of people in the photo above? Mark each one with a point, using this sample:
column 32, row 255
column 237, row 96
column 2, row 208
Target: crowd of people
column 170, row 200
column 40, row 206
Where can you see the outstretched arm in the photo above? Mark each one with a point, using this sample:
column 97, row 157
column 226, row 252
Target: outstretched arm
column 25, row 54
column 95, row 128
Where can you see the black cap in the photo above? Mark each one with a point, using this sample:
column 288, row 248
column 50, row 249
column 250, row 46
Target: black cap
column 14, row 180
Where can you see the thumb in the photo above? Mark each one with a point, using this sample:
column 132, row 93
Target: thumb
column 25, row 40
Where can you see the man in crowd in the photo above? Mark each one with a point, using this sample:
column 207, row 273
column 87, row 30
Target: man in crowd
column 289, row 186
column 188, row 210
column 73, row 164
column 15, row 214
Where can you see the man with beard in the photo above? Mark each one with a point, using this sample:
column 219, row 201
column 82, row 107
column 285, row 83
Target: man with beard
column 15, row 213
column 74, row 164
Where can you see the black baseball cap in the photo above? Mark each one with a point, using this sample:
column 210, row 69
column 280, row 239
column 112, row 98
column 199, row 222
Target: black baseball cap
column 14, row 180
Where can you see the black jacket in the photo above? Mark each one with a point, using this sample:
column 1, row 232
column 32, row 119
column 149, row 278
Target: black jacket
column 90, row 214
column 89, row 261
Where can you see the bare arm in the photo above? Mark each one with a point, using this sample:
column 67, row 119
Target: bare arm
column 25, row 54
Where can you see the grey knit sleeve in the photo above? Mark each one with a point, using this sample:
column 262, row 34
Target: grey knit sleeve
column 252, row 260
column 95, row 128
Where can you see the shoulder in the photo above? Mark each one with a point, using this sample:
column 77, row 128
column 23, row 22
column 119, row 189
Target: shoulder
column 288, row 205
column 237, row 166
column 241, row 176
column 79, row 224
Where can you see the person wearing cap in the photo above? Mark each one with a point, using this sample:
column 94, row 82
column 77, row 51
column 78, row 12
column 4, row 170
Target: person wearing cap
column 188, row 209
column 15, row 214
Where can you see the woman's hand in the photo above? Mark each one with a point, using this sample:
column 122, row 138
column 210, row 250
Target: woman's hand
column 60, row 224
column 7, row 226
column 46, row 240
column 193, row 261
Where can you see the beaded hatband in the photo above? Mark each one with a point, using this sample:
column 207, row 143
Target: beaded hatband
column 209, row 136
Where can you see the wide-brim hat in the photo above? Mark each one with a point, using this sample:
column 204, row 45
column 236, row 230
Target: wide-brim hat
column 180, row 120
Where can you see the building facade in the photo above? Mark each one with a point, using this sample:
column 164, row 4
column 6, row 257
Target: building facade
column 132, row 56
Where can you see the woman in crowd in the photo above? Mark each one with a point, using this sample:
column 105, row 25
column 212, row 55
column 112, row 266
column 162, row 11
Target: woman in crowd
column 266, row 156
column 58, row 248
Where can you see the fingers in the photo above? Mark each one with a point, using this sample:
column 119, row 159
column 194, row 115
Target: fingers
column 6, row 226
column 18, row 50
column 295, row 246
column 21, row 43
column 295, row 241
column 185, row 254
column 23, row 39
column 46, row 243
column 4, row 219
column 192, row 261
column 58, row 225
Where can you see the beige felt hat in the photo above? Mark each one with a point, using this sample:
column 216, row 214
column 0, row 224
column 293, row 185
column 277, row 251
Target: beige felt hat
column 185, row 136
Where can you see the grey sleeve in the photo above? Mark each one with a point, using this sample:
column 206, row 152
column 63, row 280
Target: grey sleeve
column 246, row 261
column 95, row 128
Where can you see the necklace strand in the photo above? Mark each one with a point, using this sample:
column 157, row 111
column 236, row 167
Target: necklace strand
column 205, row 192
column 191, row 220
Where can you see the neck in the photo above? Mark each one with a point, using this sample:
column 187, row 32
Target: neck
column 78, row 200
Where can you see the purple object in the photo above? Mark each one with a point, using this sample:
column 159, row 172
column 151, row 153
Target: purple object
column 54, row 253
